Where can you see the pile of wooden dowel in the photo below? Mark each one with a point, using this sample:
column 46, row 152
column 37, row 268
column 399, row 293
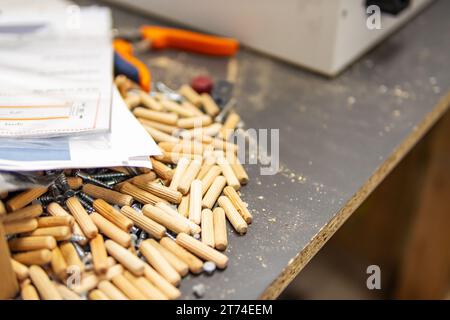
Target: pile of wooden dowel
column 137, row 236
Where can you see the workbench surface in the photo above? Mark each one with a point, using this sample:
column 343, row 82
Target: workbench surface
column 338, row 140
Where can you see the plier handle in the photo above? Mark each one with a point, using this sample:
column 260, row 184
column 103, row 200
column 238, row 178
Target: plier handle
column 158, row 38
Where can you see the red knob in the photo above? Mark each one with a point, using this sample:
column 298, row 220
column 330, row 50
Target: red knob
column 202, row 84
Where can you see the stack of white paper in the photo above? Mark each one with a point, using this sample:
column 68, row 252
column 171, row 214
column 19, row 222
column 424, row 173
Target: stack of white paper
column 128, row 144
column 56, row 70
column 57, row 106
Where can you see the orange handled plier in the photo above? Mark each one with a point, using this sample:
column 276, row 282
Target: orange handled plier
column 154, row 37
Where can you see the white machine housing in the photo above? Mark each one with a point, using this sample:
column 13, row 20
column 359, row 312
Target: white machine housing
column 321, row 35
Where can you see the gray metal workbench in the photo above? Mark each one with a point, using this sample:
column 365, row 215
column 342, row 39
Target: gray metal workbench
column 338, row 140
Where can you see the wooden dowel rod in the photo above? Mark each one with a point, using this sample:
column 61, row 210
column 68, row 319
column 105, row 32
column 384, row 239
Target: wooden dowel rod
column 125, row 257
column 58, row 264
column 127, row 288
column 113, row 215
column 27, row 212
column 189, row 176
column 191, row 95
column 230, row 124
column 163, row 117
column 148, row 225
column 29, row 292
column 172, row 106
column 8, row 270
column 38, row 257
column 195, row 201
column 75, row 183
column 237, row 202
column 55, row 209
column 66, row 293
column 160, row 191
column 70, row 256
column 60, row 233
column 157, row 261
column 24, row 198
column 43, row 284
column 209, row 178
column 19, row 269
column 163, row 171
column 195, row 229
column 32, row 243
column 202, row 250
column 208, row 228
column 233, row 215
column 97, row 295
column 183, row 163
column 166, row 128
column 165, row 219
column 180, row 266
column 111, row 230
column 145, row 287
column 81, row 216
column 209, row 105
column 110, row 196
column 160, row 136
column 168, row 289
column 183, row 207
column 194, row 122
column 220, row 229
column 139, row 194
column 195, row 264
column 111, row 291
column 214, row 192
column 20, row 226
column 99, row 255
column 150, row 102
column 228, row 172
column 55, row 221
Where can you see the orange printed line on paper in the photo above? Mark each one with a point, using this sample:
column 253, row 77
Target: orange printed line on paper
column 26, row 119
column 36, row 107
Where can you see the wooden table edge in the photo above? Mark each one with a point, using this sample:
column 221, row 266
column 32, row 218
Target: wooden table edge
column 318, row 241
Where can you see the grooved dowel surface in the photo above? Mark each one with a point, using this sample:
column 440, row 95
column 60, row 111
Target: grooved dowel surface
column 220, row 229
column 81, row 216
column 214, row 192
column 194, row 263
column 195, row 202
column 233, row 215
column 165, row 219
column 113, row 215
column 148, row 225
column 202, row 250
column 43, row 284
column 157, row 261
column 110, row 196
column 125, row 257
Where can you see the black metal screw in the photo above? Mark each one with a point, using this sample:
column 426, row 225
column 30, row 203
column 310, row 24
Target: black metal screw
column 46, row 199
column 63, row 185
column 109, row 176
column 90, row 179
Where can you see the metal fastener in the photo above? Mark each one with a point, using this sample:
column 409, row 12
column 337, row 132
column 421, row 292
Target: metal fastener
column 92, row 180
column 62, row 184
column 228, row 107
column 56, row 194
column 209, row 267
column 79, row 250
column 46, row 199
column 107, row 176
column 77, row 238
column 199, row 290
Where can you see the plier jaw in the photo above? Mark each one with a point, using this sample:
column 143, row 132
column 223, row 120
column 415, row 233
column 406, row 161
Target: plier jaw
column 127, row 42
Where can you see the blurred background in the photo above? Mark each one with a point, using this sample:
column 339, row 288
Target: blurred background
column 403, row 227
